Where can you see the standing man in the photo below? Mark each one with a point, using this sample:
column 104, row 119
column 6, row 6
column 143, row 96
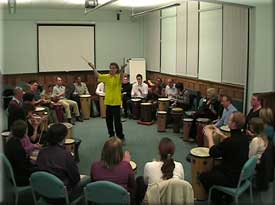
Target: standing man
column 112, row 82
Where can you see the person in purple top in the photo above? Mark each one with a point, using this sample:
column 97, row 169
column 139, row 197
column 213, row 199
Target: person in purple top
column 114, row 166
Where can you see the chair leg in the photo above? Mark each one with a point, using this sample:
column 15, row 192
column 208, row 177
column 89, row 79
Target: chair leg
column 209, row 196
column 16, row 198
column 236, row 200
column 251, row 194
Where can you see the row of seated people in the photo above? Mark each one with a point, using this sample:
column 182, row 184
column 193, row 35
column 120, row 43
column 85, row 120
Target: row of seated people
column 114, row 166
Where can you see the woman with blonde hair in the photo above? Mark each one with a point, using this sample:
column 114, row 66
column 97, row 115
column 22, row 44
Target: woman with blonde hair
column 267, row 116
column 114, row 166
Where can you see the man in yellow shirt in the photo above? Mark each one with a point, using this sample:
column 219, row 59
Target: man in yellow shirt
column 112, row 100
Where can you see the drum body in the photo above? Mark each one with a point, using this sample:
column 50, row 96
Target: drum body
column 69, row 127
column 45, row 121
column 161, row 121
column 163, row 104
column 40, row 111
column 59, row 110
column 146, row 112
column 69, row 145
column 201, row 123
column 5, row 138
column 102, row 106
column 136, row 108
column 85, row 102
column 187, row 123
column 177, row 114
column 200, row 162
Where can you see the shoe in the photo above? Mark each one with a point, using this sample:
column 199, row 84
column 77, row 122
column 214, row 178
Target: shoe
column 70, row 120
column 79, row 119
column 191, row 140
column 188, row 158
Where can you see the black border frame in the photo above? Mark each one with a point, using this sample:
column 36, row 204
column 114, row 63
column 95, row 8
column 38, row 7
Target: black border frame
column 63, row 24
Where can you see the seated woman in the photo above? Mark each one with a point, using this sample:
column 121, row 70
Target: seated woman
column 267, row 116
column 59, row 162
column 113, row 166
column 157, row 171
column 16, row 154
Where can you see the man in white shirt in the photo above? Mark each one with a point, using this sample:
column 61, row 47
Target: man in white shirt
column 170, row 90
column 139, row 89
column 59, row 94
column 80, row 87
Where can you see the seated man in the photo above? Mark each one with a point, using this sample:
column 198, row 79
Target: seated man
column 34, row 90
column 56, row 160
column 80, row 87
column 234, row 153
column 15, row 110
column 126, row 93
column 183, row 97
column 17, row 156
column 171, row 91
column 226, row 102
column 139, row 89
column 256, row 104
column 59, row 95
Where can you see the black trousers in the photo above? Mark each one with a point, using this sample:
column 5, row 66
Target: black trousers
column 125, row 104
column 113, row 117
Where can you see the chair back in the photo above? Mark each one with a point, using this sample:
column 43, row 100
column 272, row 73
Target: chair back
column 48, row 185
column 248, row 169
column 106, row 192
column 7, row 168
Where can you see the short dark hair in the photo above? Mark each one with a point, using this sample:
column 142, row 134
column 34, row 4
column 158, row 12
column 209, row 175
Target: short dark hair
column 259, row 97
column 56, row 133
column 114, row 64
column 32, row 82
column 179, row 86
column 228, row 98
column 139, row 76
column 19, row 128
column 28, row 97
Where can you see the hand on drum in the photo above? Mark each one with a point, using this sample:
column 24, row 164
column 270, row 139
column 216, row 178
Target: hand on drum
column 127, row 156
column 219, row 132
column 208, row 130
column 37, row 146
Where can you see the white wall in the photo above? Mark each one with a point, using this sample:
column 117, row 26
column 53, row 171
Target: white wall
column 114, row 39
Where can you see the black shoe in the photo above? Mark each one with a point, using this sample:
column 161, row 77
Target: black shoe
column 188, row 158
column 79, row 119
column 70, row 120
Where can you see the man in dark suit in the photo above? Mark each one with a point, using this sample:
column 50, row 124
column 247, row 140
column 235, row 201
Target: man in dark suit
column 15, row 110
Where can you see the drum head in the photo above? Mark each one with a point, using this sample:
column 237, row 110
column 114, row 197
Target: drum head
column 5, row 134
column 68, row 125
column 69, row 141
column 189, row 113
column 146, row 104
column 133, row 165
column 162, row 112
column 39, row 109
column 163, row 99
column 187, row 119
column 200, row 152
column 225, row 128
column 84, row 96
column 135, row 99
column 102, row 95
column 177, row 109
column 203, row 120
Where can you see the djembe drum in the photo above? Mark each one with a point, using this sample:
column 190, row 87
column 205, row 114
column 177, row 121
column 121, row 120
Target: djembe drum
column 85, row 102
column 69, row 145
column 201, row 162
column 201, row 123
column 136, row 108
column 187, row 123
column 177, row 114
column 163, row 104
column 5, row 138
column 161, row 121
column 146, row 112
column 102, row 106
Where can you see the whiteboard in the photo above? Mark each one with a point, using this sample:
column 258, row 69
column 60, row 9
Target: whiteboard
column 60, row 47
column 137, row 66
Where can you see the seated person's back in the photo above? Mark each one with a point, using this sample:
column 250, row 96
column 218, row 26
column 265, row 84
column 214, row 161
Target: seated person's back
column 112, row 167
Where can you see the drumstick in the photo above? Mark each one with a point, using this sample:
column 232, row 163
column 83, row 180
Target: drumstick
column 85, row 59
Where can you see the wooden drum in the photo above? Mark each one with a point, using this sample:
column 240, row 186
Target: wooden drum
column 146, row 112
column 161, row 121
column 69, row 145
column 85, row 102
column 187, row 123
column 136, row 108
column 201, row 122
column 5, row 138
column 102, row 106
column 177, row 114
column 163, row 104
column 44, row 122
column 200, row 162
column 69, row 127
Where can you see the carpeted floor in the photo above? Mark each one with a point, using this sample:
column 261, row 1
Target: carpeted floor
column 142, row 142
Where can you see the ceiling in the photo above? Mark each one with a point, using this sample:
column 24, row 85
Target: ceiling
column 65, row 4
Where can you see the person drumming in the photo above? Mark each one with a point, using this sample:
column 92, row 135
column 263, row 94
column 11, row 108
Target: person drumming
column 112, row 100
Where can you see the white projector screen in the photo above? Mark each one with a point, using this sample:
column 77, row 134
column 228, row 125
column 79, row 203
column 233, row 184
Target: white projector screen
column 61, row 47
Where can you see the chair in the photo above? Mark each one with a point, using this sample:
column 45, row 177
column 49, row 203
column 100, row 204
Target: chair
column 9, row 175
column 105, row 192
column 245, row 182
column 46, row 185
